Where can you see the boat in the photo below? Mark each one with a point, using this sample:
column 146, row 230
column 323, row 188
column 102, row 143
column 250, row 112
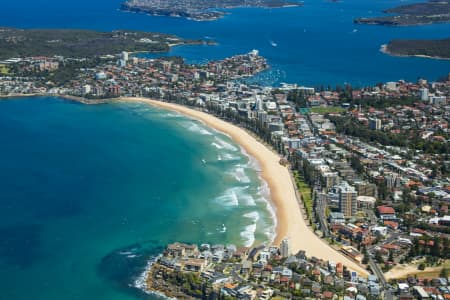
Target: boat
column 273, row 44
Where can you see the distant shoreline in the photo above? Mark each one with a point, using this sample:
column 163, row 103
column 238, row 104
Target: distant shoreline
column 384, row 50
column 200, row 13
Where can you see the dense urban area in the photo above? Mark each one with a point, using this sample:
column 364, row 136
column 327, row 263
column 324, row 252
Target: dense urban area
column 371, row 165
column 199, row 10
column 428, row 12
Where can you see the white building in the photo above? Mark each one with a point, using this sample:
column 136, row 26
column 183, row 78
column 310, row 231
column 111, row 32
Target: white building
column 366, row 202
column 438, row 100
column 285, row 248
column 86, row 89
column 259, row 104
column 423, row 93
column 124, row 56
column 100, row 76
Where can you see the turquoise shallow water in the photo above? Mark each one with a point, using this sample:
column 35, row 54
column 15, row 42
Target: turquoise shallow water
column 88, row 192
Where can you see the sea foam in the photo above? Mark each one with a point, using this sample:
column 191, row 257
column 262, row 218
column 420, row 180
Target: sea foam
column 254, row 216
column 221, row 144
column 173, row 115
column 229, row 198
column 236, row 196
column 239, row 174
column 229, row 157
column 248, row 234
column 141, row 282
column 198, row 129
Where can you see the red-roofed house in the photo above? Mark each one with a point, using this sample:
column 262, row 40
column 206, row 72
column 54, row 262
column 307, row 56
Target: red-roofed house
column 386, row 212
column 391, row 224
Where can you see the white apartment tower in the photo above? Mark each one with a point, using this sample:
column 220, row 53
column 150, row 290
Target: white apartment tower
column 347, row 199
column 285, row 250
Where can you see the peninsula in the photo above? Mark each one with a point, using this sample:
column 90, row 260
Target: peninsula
column 198, row 10
column 412, row 14
column 358, row 176
column 185, row 271
column 81, row 43
column 439, row 49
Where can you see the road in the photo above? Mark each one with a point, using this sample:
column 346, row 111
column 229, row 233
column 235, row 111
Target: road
column 377, row 271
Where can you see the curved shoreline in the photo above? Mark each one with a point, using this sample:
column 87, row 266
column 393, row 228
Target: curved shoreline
column 384, row 50
column 290, row 221
column 283, row 196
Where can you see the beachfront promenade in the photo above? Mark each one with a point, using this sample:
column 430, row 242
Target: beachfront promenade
column 290, row 220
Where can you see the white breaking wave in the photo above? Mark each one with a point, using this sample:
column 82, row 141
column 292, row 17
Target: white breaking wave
column 239, row 174
column 229, row 198
column 141, row 283
column 229, row 156
column 235, row 196
column 254, row 216
column 173, row 115
column 247, row 200
column 252, row 162
column 198, row 129
column 216, row 145
column 248, row 235
column 221, row 144
column 264, row 193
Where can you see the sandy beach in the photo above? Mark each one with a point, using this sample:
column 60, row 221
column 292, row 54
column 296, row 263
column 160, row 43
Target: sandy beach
column 290, row 222
column 384, row 49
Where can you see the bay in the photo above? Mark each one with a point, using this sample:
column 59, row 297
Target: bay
column 90, row 192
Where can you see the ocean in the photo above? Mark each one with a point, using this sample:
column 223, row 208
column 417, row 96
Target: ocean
column 90, row 192
column 316, row 44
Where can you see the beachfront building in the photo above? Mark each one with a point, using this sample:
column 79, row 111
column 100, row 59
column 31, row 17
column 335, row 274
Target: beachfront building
column 347, row 199
column 285, row 250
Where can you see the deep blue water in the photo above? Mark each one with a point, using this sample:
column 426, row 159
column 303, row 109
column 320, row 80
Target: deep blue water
column 88, row 192
column 317, row 43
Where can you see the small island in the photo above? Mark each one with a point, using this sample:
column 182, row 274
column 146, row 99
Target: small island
column 82, row 43
column 198, row 10
column 412, row 14
column 439, row 49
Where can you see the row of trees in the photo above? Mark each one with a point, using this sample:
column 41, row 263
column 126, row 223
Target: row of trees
column 436, row 246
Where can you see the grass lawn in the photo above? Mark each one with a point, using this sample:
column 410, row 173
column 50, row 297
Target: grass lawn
column 327, row 110
column 305, row 192
column 4, row 70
